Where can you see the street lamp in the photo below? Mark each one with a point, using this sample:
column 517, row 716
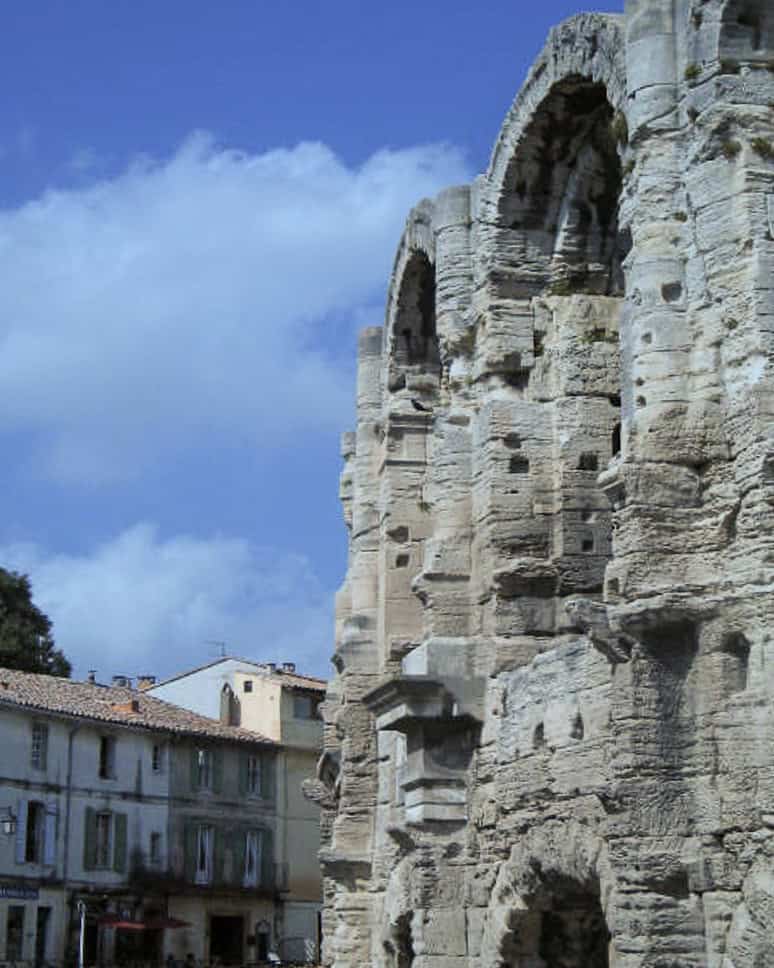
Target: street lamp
column 8, row 821
column 81, row 907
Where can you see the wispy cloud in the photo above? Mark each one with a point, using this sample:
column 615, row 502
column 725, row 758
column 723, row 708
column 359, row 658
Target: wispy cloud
column 208, row 295
column 140, row 603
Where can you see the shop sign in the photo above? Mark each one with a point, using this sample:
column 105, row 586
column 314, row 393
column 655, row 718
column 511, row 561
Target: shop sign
column 18, row 892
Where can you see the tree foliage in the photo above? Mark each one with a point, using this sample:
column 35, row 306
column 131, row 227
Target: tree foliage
column 26, row 640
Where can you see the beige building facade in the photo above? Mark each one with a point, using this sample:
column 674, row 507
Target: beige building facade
column 282, row 705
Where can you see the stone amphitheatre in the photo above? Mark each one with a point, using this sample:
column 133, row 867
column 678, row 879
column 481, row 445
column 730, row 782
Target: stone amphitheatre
column 550, row 738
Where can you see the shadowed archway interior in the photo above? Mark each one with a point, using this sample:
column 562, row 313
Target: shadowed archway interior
column 565, row 928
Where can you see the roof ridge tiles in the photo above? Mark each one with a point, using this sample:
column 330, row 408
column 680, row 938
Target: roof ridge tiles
column 117, row 705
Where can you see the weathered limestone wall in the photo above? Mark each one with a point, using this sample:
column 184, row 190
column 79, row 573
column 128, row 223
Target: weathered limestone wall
column 550, row 739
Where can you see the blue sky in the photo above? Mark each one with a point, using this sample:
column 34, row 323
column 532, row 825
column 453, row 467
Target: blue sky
column 199, row 207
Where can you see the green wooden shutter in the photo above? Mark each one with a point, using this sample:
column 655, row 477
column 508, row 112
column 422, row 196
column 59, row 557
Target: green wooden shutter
column 119, row 843
column 268, row 770
column 90, row 839
column 194, row 769
column 21, row 831
column 189, row 852
column 217, row 771
column 218, row 855
column 243, row 761
column 267, row 859
column 238, row 852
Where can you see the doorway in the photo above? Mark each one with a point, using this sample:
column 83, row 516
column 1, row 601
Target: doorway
column 14, row 932
column 226, row 937
column 41, row 935
column 574, row 935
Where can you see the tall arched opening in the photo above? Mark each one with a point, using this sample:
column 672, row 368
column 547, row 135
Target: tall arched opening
column 413, row 341
column 551, row 903
column 556, row 282
column 746, row 33
column 558, row 206
column 564, row 928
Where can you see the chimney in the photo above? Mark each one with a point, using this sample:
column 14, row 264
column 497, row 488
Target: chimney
column 122, row 682
column 130, row 706
column 92, row 676
column 289, row 667
column 145, row 682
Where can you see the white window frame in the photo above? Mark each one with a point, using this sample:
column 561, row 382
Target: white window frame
column 251, row 876
column 39, row 746
column 205, row 837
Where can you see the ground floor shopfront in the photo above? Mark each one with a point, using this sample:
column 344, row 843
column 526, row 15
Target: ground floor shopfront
column 237, row 929
column 41, row 926
column 33, row 922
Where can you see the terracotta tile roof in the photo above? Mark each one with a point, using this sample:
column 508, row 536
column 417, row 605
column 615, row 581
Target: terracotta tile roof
column 113, row 704
column 296, row 681
column 293, row 680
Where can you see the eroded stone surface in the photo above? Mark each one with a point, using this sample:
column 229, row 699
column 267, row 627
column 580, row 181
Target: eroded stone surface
column 550, row 741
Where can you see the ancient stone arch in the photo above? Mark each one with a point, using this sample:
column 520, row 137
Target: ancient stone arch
column 553, row 700
column 746, row 32
column 586, row 46
column 552, row 901
column 549, row 256
column 411, row 336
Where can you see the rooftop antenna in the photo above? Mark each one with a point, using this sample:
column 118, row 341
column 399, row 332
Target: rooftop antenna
column 221, row 646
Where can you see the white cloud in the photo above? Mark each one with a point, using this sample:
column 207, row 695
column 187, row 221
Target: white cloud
column 140, row 603
column 212, row 293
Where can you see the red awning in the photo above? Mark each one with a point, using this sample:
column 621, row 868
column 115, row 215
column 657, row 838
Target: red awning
column 152, row 924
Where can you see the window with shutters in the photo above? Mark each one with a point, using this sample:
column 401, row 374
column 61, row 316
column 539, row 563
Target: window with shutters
column 36, row 826
column 254, row 775
column 253, row 858
column 39, row 746
column 107, row 757
column 103, row 840
column 36, row 833
column 204, row 845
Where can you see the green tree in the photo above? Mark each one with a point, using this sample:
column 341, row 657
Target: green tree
column 26, row 642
